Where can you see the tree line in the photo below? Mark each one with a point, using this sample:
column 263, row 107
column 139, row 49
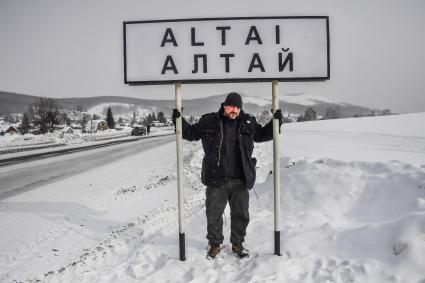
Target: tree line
column 46, row 114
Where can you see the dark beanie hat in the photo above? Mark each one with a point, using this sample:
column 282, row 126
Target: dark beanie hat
column 233, row 99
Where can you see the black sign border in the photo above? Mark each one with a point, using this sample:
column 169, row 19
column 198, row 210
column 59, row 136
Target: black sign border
column 230, row 80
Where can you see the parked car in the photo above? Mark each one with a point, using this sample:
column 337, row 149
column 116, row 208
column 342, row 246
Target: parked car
column 138, row 131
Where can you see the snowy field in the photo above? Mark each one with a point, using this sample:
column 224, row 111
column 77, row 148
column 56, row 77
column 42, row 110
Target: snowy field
column 305, row 99
column 353, row 210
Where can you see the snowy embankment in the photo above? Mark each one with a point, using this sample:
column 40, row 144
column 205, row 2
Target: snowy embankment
column 19, row 143
column 353, row 210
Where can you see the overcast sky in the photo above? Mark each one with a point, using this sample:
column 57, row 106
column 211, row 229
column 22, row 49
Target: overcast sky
column 74, row 48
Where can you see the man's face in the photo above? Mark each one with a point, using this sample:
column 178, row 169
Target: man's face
column 231, row 112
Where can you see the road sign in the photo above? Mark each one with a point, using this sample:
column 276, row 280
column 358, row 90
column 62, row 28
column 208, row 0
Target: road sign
column 226, row 50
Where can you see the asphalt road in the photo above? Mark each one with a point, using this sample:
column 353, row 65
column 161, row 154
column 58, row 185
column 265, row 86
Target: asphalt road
column 24, row 176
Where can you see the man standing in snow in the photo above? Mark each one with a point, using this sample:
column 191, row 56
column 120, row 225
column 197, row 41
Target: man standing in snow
column 228, row 169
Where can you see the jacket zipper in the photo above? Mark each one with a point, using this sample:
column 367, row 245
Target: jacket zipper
column 221, row 142
column 239, row 130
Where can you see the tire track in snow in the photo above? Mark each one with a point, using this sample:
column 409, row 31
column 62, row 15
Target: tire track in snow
column 125, row 242
column 128, row 241
column 34, row 246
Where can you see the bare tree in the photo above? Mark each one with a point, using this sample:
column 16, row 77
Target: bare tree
column 44, row 114
column 332, row 113
column 386, row 112
column 64, row 119
column 310, row 114
column 134, row 120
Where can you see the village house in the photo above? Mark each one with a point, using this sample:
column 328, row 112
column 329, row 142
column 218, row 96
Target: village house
column 96, row 125
column 8, row 129
column 68, row 130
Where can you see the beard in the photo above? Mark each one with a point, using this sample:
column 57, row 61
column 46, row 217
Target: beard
column 231, row 115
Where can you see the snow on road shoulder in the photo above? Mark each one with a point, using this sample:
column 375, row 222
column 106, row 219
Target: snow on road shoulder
column 12, row 145
column 8, row 143
column 51, row 226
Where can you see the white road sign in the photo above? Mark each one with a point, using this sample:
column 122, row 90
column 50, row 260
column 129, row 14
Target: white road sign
column 226, row 50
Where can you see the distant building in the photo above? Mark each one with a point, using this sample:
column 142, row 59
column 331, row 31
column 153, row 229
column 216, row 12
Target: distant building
column 156, row 123
column 96, row 125
column 76, row 126
column 68, row 130
column 8, row 129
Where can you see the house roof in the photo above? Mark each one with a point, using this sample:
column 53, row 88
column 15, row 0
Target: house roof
column 67, row 128
column 6, row 128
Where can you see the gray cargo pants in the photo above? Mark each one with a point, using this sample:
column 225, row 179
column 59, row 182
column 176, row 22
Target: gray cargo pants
column 236, row 193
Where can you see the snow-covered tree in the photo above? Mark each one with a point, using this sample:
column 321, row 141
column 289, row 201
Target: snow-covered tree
column 8, row 118
column 84, row 121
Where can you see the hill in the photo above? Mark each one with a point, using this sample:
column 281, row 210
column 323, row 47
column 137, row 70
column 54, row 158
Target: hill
column 14, row 103
column 292, row 103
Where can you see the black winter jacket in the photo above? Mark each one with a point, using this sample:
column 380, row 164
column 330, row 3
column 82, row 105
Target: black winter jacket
column 210, row 130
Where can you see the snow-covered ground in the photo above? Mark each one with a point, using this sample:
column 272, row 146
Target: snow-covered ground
column 353, row 210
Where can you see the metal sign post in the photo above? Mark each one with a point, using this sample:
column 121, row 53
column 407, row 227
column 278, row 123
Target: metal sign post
column 180, row 173
column 276, row 169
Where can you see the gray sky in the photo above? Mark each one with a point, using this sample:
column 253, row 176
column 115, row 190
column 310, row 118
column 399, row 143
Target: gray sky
column 74, row 48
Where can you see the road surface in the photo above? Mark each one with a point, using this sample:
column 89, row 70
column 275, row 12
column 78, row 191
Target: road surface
column 18, row 178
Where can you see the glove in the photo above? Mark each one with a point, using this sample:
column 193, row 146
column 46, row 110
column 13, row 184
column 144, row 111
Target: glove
column 176, row 114
column 278, row 115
